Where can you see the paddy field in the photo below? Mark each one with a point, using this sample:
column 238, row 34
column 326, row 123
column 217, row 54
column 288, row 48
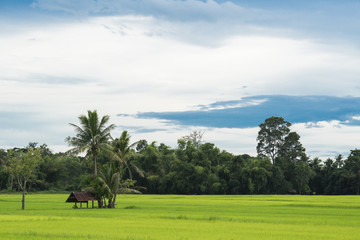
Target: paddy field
column 47, row 216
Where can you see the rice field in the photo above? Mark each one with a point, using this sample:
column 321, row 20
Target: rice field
column 47, row 216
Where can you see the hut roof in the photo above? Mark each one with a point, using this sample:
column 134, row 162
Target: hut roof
column 81, row 197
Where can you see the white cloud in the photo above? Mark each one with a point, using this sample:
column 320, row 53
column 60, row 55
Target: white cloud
column 135, row 64
column 327, row 139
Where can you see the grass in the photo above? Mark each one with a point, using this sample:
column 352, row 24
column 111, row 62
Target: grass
column 47, row 216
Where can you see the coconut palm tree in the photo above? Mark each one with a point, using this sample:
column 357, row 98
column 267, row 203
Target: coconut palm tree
column 92, row 135
column 122, row 151
column 110, row 180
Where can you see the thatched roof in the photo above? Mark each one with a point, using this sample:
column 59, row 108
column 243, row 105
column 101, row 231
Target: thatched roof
column 81, row 197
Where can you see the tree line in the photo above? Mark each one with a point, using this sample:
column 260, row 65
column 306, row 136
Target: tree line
column 117, row 165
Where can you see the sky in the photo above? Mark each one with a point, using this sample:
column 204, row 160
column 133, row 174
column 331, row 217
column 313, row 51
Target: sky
column 164, row 68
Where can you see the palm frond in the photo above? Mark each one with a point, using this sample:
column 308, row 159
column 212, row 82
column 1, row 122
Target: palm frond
column 128, row 191
column 105, row 185
column 88, row 189
column 138, row 170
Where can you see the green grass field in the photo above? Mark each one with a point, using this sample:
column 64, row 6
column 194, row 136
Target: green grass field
column 47, row 216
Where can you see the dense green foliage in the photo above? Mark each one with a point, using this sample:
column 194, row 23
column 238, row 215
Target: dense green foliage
column 184, row 217
column 193, row 167
column 206, row 170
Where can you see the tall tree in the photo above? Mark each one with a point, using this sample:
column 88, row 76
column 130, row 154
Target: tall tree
column 292, row 149
column 283, row 147
column 271, row 137
column 91, row 136
column 122, row 151
column 22, row 166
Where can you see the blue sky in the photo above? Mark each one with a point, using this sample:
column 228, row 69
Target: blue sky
column 251, row 111
column 163, row 68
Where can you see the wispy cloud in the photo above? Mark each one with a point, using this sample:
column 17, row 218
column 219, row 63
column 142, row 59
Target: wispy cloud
column 247, row 102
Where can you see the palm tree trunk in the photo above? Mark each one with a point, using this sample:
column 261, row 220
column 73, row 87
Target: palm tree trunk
column 110, row 203
column 95, row 163
column 114, row 200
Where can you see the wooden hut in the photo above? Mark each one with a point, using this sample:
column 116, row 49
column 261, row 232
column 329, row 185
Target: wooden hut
column 82, row 197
